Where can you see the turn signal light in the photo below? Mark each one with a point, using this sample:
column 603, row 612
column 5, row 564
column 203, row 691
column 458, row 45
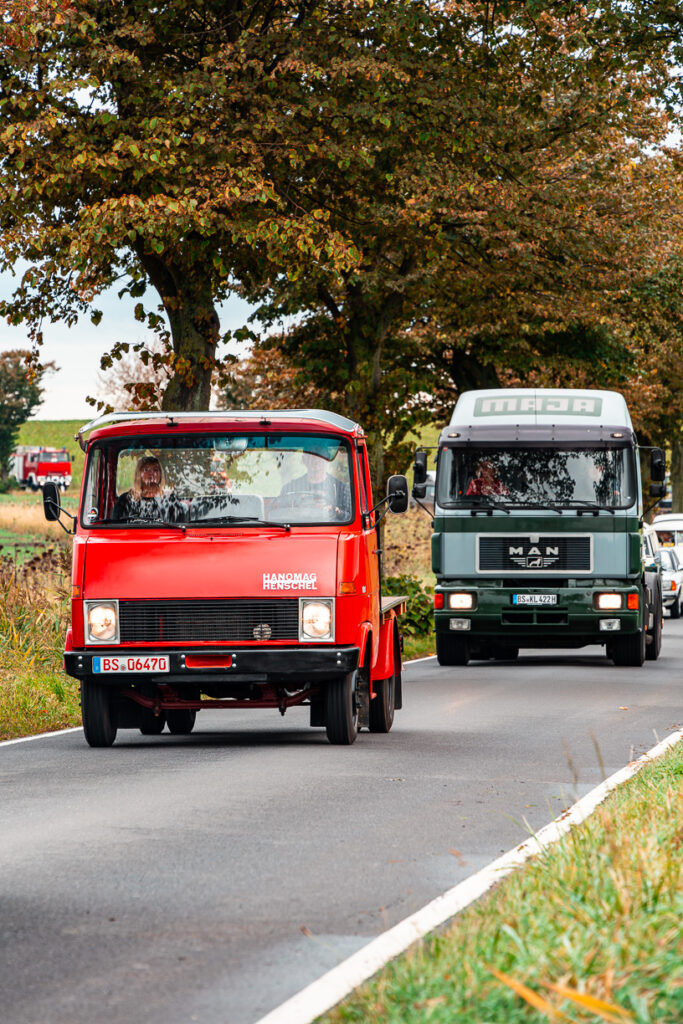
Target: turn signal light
column 438, row 600
column 632, row 602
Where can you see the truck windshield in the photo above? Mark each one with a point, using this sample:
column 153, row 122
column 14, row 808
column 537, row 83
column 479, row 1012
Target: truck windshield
column 529, row 477
column 218, row 480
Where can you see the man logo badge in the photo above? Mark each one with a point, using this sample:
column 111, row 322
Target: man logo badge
column 534, row 557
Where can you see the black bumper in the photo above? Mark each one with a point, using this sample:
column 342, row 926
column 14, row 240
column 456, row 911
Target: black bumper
column 265, row 665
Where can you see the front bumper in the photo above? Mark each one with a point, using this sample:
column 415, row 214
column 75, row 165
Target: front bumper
column 248, row 664
column 572, row 622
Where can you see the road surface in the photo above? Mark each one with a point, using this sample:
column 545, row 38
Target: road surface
column 208, row 878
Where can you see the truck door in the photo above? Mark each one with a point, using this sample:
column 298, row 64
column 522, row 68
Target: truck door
column 371, row 548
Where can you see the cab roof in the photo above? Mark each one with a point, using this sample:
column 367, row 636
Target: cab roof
column 118, row 423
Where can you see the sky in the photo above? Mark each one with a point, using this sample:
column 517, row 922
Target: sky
column 77, row 350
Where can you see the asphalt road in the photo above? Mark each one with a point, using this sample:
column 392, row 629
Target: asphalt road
column 208, row 878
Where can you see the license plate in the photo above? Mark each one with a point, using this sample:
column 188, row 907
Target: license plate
column 534, row 598
column 132, row 663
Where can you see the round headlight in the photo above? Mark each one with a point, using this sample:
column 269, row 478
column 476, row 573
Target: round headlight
column 102, row 621
column 316, row 619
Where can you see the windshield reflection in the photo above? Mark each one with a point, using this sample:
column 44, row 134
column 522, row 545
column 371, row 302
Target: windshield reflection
column 544, row 477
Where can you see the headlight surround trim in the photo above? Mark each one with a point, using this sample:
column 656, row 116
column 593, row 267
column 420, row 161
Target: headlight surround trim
column 109, row 634
column 323, row 616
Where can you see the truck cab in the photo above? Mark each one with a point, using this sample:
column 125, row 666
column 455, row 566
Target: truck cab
column 230, row 560
column 538, row 528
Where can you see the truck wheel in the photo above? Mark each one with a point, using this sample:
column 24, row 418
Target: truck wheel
column 181, row 721
column 98, row 714
column 387, row 694
column 151, row 724
column 629, row 650
column 341, row 713
column 676, row 608
column 451, row 650
column 655, row 645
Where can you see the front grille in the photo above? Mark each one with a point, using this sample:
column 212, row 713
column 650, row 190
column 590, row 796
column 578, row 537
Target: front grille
column 230, row 621
column 533, row 554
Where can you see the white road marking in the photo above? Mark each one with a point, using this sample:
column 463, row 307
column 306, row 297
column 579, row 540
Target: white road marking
column 41, row 736
column 321, row 995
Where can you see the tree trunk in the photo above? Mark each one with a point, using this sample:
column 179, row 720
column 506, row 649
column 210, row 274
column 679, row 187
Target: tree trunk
column 195, row 329
column 676, row 475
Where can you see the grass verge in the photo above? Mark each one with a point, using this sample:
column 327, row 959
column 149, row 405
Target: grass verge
column 587, row 932
column 35, row 694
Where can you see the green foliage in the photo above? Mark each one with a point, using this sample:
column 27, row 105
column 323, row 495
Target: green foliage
column 418, row 619
column 20, row 395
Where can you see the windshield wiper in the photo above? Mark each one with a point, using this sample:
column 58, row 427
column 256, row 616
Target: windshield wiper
column 594, row 506
column 537, row 504
column 148, row 524
column 218, row 520
column 486, row 500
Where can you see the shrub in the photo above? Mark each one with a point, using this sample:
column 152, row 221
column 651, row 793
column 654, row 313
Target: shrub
column 418, row 620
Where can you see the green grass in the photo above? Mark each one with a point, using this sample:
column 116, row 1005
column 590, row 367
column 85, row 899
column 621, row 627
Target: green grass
column 596, row 916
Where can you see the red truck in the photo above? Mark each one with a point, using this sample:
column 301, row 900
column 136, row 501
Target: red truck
column 33, row 467
column 230, row 560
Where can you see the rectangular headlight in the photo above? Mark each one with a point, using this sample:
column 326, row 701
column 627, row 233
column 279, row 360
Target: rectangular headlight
column 608, row 602
column 461, row 601
column 101, row 622
column 316, row 618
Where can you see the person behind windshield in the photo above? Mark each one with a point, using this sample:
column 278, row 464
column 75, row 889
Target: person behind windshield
column 148, row 498
column 318, row 490
column 486, row 480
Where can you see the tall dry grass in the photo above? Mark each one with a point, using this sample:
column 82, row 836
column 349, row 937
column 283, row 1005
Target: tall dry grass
column 23, row 519
column 35, row 694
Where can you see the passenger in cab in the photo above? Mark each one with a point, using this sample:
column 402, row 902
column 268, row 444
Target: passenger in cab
column 148, row 498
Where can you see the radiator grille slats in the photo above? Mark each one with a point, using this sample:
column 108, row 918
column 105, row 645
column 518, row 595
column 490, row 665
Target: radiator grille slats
column 542, row 554
column 231, row 620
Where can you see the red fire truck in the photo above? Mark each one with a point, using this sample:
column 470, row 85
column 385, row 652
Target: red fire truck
column 230, row 560
column 33, row 467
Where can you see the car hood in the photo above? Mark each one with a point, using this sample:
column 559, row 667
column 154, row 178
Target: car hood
column 198, row 564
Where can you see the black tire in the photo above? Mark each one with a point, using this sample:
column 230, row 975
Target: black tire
column 629, row 650
column 151, row 724
column 451, row 650
column 676, row 608
column 98, row 714
column 383, row 706
column 655, row 639
column 181, row 721
column 341, row 712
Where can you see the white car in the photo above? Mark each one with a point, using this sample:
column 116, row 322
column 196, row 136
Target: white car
column 669, row 529
column 672, row 580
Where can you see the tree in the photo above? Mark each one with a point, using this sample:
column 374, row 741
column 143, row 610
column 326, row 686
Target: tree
column 20, row 395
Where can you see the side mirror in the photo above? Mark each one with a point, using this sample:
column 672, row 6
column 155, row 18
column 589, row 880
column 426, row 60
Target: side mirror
column 657, row 465
column 420, row 475
column 658, row 490
column 397, row 493
column 51, row 506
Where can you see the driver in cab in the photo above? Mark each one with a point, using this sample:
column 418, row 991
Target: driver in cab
column 318, row 490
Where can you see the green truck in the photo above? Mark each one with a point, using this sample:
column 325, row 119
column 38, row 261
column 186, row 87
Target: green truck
column 538, row 527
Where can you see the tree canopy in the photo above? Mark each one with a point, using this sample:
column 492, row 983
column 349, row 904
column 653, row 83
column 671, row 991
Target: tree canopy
column 430, row 193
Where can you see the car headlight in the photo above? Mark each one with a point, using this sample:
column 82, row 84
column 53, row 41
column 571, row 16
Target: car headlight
column 101, row 622
column 316, row 620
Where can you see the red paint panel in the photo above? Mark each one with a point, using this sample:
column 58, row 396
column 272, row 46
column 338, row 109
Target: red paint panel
column 131, row 564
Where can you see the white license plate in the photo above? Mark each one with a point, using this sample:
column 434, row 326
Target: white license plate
column 132, row 663
column 534, row 598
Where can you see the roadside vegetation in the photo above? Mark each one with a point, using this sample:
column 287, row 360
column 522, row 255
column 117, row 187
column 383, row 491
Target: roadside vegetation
column 35, row 694
column 587, row 932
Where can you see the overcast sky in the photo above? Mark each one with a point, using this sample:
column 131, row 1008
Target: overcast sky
column 77, row 350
